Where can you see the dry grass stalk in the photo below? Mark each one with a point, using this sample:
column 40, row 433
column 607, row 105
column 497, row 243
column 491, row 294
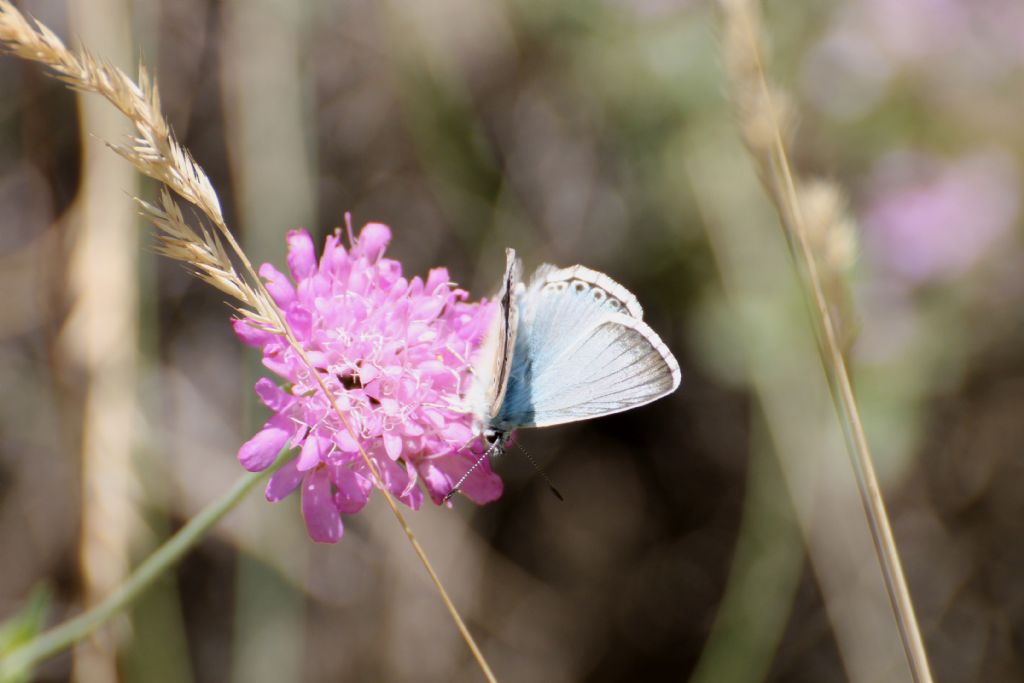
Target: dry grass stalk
column 156, row 154
column 765, row 122
column 100, row 337
column 203, row 253
column 832, row 238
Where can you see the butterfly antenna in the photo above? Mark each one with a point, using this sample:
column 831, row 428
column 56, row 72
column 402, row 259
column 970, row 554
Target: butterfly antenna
column 464, row 477
column 541, row 472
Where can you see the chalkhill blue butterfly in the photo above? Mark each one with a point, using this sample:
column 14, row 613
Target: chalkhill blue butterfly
column 570, row 346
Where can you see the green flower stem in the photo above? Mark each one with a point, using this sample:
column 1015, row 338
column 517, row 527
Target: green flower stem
column 22, row 660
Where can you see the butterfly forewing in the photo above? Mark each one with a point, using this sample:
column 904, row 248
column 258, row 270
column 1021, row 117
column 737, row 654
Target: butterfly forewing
column 495, row 358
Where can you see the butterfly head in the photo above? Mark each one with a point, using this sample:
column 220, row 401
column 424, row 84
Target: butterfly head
column 496, row 439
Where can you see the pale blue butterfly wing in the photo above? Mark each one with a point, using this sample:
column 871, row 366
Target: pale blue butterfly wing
column 495, row 358
column 580, row 350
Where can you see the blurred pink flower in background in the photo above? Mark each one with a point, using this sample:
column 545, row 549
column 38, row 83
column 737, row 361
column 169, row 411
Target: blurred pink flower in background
column 951, row 46
column 917, row 30
column 931, row 219
column 396, row 354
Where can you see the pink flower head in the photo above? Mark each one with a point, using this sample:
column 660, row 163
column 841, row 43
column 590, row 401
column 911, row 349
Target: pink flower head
column 395, row 354
column 930, row 219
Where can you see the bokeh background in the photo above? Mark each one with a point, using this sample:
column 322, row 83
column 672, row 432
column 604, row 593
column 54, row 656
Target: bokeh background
column 711, row 536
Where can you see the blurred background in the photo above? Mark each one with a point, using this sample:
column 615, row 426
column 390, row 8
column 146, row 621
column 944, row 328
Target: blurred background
column 711, row 536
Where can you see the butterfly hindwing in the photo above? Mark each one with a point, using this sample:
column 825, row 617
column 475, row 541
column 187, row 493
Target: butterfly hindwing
column 581, row 351
column 591, row 286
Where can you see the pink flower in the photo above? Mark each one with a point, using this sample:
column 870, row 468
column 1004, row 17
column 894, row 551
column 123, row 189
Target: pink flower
column 396, row 355
column 930, row 219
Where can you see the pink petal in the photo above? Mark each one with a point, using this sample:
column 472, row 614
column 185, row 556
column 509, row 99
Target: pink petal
column 373, row 239
column 368, row 373
column 332, row 245
column 457, row 433
column 483, row 486
column 310, row 455
column 278, row 364
column 397, row 289
column 250, row 335
column 412, row 428
column 428, row 308
column 437, row 482
column 301, row 255
column 414, row 499
column 345, row 441
column 353, row 488
column 440, row 474
column 259, row 452
column 388, row 271
column 283, row 482
column 413, row 475
column 396, row 480
column 434, row 369
column 273, row 396
column 357, row 280
column 392, row 445
column 434, row 417
column 437, row 278
column 323, row 523
column 319, row 359
column 277, row 284
column 372, row 389
column 300, row 320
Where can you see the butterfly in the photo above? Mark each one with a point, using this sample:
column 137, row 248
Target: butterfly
column 570, row 346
